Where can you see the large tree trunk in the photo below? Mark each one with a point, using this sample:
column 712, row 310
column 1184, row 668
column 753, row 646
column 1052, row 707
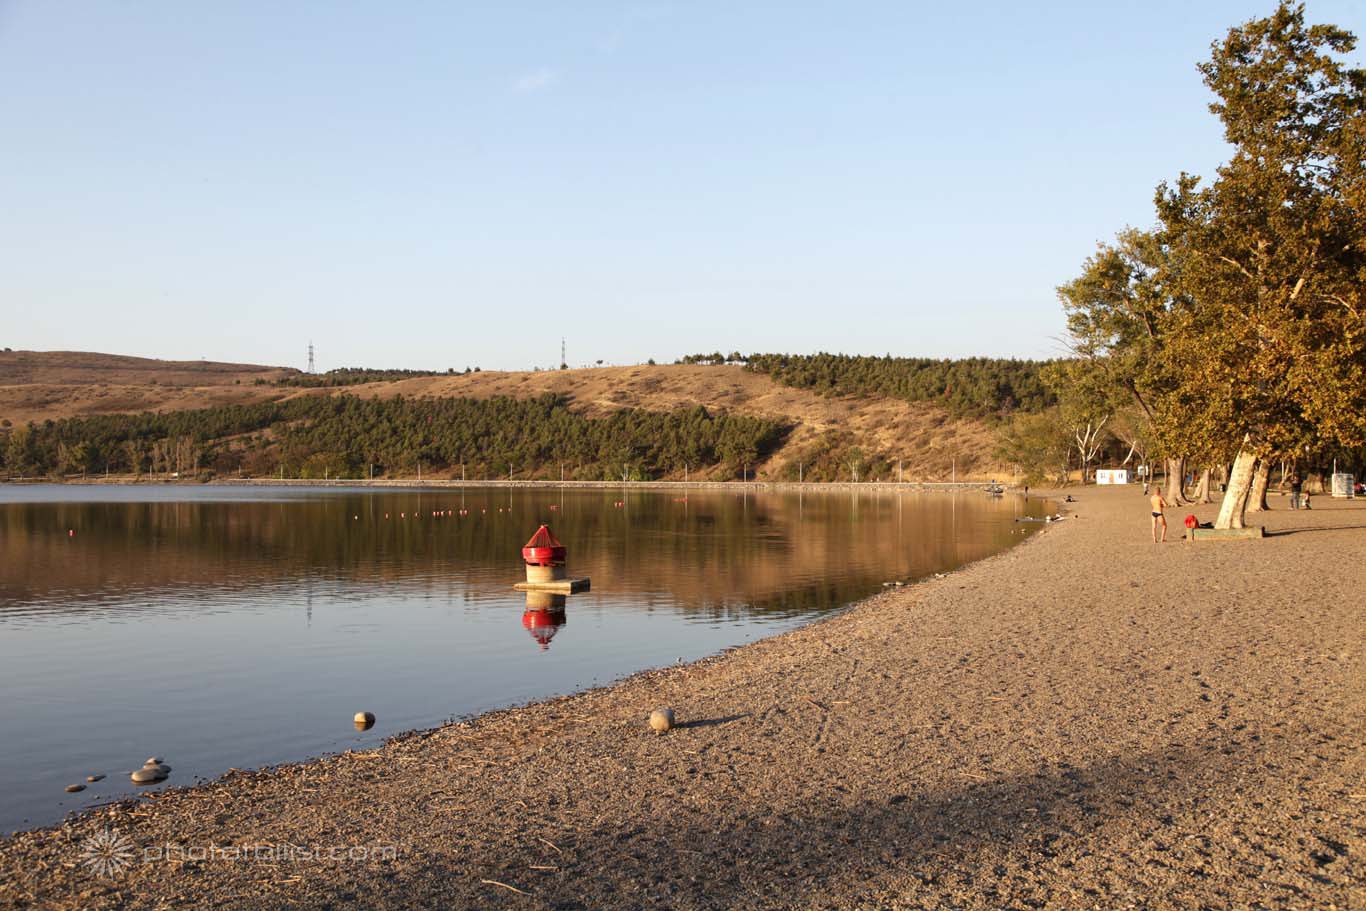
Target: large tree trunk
column 1235, row 496
column 1256, row 498
column 1176, row 474
column 1202, row 489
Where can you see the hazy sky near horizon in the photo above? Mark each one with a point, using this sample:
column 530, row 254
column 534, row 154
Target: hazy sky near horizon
column 442, row 184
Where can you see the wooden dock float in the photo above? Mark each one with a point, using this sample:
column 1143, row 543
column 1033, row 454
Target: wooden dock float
column 554, row 586
column 1226, row 534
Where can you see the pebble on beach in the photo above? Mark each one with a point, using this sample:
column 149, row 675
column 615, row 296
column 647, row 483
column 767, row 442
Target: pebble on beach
column 148, row 775
column 73, row 788
column 364, row 720
column 662, row 719
column 93, row 778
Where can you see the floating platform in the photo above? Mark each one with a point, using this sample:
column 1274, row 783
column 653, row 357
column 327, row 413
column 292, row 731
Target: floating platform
column 1226, row 534
column 555, row 586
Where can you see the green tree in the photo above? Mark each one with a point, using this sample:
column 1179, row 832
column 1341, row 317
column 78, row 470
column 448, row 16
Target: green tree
column 1087, row 399
column 1118, row 312
column 21, row 456
column 1037, row 444
column 1268, row 354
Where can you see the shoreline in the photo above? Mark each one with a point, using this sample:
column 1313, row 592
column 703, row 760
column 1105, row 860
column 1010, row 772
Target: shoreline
column 441, row 484
column 803, row 735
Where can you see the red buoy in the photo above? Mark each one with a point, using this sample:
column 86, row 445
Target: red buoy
column 544, row 549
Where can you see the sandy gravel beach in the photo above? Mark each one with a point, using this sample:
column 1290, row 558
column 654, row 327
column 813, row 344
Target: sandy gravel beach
column 1086, row 721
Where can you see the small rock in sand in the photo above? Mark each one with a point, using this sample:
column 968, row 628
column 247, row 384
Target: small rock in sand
column 94, row 778
column 662, row 719
column 73, row 788
column 148, row 774
column 364, row 720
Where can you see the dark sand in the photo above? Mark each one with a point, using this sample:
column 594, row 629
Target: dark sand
column 1086, row 721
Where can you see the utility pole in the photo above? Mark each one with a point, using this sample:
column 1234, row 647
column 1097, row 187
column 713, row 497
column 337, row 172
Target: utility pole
column 564, row 362
column 310, row 355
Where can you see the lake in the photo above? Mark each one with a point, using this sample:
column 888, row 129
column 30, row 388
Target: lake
column 224, row 627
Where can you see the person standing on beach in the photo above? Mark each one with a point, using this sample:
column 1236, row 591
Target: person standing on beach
column 1159, row 506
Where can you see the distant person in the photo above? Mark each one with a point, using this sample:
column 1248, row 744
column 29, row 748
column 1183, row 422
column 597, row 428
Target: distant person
column 1296, row 487
column 1159, row 507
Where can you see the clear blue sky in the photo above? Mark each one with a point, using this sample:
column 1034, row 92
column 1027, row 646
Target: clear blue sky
column 445, row 184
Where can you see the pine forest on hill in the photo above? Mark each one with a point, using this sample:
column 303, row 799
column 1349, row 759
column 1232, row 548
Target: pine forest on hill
column 348, row 437
column 974, row 387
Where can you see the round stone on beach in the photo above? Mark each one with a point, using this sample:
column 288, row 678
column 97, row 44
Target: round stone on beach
column 662, row 719
column 154, row 760
column 148, row 774
column 364, row 720
column 73, row 788
column 93, row 778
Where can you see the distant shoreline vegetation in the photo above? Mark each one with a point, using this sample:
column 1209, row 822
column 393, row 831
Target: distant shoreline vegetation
column 348, row 437
column 980, row 387
column 356, row 376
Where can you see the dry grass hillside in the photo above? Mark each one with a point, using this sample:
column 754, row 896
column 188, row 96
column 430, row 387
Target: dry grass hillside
column 36, row 386
column 65, row 368
column 924, row 435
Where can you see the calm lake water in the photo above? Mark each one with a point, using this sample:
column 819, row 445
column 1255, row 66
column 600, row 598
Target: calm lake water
column 229, row 627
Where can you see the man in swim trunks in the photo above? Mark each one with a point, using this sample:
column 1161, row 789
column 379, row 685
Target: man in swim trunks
column 1159, row 505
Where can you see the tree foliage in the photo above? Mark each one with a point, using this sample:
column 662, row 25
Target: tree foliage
column 976, row 387
column 356, row 376
column 1037, row 444
column 1236, row 324
column 345, row 436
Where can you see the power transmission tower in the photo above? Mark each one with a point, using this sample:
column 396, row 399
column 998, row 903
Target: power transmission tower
column 564, row 362
column 310, row 356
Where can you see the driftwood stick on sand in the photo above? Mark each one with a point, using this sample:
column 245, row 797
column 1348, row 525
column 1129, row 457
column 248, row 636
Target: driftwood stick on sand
column 494, row 882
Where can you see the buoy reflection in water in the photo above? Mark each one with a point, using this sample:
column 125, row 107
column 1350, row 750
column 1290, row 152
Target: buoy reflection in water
column 543, row 617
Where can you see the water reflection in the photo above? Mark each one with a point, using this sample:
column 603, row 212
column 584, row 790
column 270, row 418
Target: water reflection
column 544, row 616
column 226, row 627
